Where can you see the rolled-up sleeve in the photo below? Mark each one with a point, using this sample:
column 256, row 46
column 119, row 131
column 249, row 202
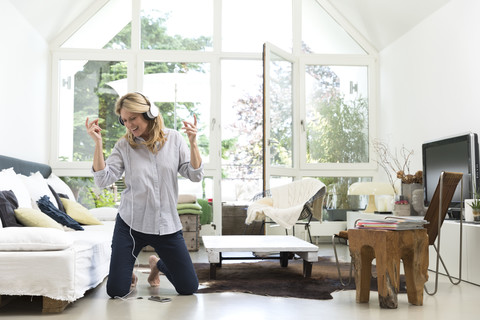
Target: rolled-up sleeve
column 184, row 167
column 114, row 168
column 187, row 171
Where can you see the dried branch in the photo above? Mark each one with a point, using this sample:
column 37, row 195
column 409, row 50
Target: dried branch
column 397, row 163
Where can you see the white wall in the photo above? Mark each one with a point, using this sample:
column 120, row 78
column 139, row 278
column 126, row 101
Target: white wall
column 24, row 87
column 429, row 80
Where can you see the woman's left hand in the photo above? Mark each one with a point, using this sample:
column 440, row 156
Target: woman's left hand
column 191, row 130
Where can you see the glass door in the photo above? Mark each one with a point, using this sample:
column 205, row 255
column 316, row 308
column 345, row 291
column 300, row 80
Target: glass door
column 278, row 116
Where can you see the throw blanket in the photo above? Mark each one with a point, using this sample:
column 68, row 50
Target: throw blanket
column 189, row 208
column 286, row 204
column 47, row 207
column 187, row 198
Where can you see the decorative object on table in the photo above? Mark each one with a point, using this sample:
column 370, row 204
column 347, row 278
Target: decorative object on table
column 417, row 203
column 371, row 189
column 401, row 207
column 408, row 190
column 399, row 165
column 472, row 208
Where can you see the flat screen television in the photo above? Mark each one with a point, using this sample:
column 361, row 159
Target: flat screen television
column 454, row 154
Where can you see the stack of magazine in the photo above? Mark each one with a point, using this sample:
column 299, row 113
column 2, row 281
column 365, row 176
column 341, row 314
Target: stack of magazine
column 391, row 224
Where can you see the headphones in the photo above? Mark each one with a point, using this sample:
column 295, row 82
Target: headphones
column 151, row 114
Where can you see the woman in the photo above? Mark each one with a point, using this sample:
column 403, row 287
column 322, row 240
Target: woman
column 150, row 156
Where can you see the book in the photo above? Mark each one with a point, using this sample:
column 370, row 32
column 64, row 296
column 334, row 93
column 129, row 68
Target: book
column 390, row 224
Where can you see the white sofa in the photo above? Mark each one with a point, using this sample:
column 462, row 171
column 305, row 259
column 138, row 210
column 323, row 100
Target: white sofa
column 58, row 265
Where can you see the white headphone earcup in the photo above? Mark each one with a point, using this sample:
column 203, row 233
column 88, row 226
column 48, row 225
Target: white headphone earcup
column 153, row 111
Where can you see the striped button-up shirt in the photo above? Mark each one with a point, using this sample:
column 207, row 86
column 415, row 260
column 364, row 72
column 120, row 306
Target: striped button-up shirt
column 149, row 202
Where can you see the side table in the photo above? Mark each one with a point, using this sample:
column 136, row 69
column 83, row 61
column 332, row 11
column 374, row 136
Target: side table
column 388, row 247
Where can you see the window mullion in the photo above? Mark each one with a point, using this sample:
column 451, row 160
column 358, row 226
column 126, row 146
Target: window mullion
column 136, row 25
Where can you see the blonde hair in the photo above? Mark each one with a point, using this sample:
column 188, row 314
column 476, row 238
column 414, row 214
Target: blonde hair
column 137, row 103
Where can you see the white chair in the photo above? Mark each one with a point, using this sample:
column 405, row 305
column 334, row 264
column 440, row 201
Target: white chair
column 294, row 203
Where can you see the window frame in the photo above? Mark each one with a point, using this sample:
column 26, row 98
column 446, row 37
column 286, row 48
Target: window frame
column 136, row 57
column 76, row 168
column 344, row 60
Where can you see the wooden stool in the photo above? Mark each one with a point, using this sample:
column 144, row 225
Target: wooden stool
column 388, row 247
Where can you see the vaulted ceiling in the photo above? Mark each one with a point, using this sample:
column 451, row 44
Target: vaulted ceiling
column 383, row 21
column 380, row 21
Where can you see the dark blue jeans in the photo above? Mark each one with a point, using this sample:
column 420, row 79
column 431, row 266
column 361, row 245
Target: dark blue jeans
column 175, row 261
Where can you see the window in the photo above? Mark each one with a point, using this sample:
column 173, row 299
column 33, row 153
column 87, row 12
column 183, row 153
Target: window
column 86, row 90
column 177, row 25
column 280, row 113
column 322, row 34
column 337, row 193
column 242, row 129
column 181, row 90
column 207, row 61
column 336, row 118
column 113, row 19
column 248, row 24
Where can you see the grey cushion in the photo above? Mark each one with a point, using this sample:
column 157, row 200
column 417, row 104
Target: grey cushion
column 8, row 203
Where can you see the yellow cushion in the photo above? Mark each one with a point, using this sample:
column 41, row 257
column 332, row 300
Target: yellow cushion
column 78, row 212
column 35, row 218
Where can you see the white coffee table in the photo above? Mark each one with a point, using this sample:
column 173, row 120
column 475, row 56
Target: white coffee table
column 285, row 245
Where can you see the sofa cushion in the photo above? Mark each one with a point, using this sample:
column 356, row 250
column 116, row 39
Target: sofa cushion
column 30, row 217
column 60, row 186
column 56, row 196
column 47, row 207
column 10, row 181
column 37, row 187
column 78, row 212
column 33, row 239
column 8, row 203
column 104, row 213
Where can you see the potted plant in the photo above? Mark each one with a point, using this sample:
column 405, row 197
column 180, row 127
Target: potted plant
column 475, row 205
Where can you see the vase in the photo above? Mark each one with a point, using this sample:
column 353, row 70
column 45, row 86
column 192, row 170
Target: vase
column 468, row 209
column 407, row 193
column 476, row 214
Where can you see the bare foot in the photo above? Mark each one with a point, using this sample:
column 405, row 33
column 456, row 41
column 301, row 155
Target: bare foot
column 134, row 281
column 154, row 277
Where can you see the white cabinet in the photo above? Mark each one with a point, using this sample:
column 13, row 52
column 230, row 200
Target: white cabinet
column 449, row 250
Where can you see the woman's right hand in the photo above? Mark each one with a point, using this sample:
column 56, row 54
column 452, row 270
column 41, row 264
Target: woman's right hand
column 93, row 129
